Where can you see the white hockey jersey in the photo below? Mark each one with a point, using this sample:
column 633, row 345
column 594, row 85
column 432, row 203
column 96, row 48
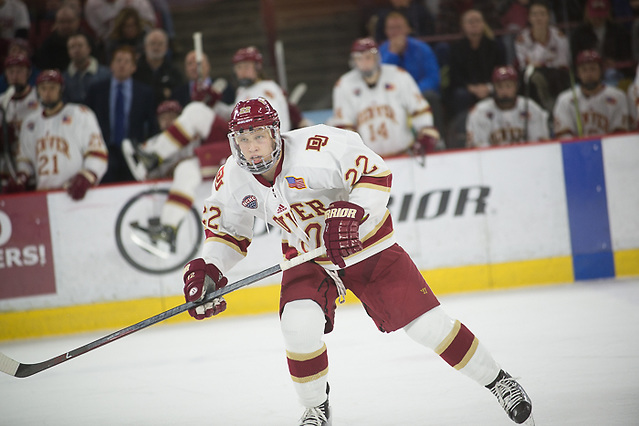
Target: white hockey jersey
column 20, row 108
column 633, row 103
column 488, row 125
column 385, row 114
column 267, row 89
column 603, row 113
column 320, row 164
column 56, row 147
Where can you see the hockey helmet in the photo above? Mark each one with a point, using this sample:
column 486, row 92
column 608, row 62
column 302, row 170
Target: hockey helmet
column 250, row 115
column 52, row 76
column 588, row 56
column 17, row 60
column 250, row 53
column 169, row 106
column 363, row 45
column 504, row 74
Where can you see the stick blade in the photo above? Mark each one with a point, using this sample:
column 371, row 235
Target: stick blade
column 8, row 365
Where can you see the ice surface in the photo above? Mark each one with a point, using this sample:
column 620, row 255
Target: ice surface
column 575, row 348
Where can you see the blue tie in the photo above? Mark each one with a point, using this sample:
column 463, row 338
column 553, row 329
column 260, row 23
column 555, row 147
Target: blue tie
column 119, row 122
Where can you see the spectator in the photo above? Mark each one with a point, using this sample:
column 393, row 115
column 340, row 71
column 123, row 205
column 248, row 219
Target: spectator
column 247, row 67
column 419, row 19
column 63, row 146
column 14, row 17
column 609, row 39
column 155, row 67
column 165, row 20
column 505, row 118
column 125, row 109
column 101, row 15
column 472, row 61
column 183, row 93
column 193, row 146
column 601, row 109
column 544, row 47
column 128, row 30
column 53, row 52
column 19, row 46
column 83, row 71
column 379, row 101
column 448, row 21
column 417, row 58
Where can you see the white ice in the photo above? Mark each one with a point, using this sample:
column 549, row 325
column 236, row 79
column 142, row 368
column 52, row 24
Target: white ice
column 575, row 348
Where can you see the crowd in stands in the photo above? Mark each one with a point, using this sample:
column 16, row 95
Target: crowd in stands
column 508, row 66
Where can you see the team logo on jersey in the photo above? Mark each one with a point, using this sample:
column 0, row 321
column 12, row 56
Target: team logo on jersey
column 245, row 110
column 316, row 142
column 297, row 183
column 281, row 209
column 250, row 202
column 66, row 119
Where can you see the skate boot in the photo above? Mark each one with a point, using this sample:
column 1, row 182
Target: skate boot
column 318, row 416
column 513, row 398
column 157, row 239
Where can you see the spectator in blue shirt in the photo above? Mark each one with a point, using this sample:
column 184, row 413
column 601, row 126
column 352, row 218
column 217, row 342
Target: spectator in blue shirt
column 416, row 57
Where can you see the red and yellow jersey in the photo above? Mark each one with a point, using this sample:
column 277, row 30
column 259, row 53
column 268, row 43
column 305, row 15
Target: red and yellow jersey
column 320, row 164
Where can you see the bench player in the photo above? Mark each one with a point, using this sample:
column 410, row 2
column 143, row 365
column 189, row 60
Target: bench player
column 62, row 147
column 383, row 103
column 602, row 109
column 323, row 187
column 505, row 118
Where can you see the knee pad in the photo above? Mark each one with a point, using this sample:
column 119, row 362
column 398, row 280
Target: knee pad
column 302, row 325
column 431, row 328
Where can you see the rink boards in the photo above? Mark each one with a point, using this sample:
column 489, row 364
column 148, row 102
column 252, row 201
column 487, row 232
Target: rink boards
column 472, row 220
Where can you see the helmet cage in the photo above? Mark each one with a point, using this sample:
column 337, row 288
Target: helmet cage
column 267, row 162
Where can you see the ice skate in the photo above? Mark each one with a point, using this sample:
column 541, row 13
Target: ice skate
column 318, row 416
column 140, row 162
column 513, row 398
column 157, row 239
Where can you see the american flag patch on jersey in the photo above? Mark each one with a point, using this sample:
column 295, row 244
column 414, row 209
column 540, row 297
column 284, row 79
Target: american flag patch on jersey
column 611, row 100
column 297, row 183
column 389, row 86
column 250, row 202
column 66, row 119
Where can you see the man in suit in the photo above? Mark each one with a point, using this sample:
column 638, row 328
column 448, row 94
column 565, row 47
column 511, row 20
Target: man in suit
column 125, row 109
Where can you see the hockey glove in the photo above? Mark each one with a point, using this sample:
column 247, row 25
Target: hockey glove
column 341, row 234
column 201, row 278
column 205, row 93
column 19, row 184
column 426, row 141
column 79, row 184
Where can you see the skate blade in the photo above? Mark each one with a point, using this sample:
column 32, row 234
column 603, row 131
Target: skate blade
column 148, row 247
column 137, row 169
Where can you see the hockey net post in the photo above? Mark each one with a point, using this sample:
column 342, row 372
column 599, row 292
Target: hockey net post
column 17, row 369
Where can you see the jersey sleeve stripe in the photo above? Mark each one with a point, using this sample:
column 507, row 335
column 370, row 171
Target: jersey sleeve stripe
column 239, row 245
column 380, row 183
column 381, row 232
column 426, row 110
column 98, row 154
column 178, row 135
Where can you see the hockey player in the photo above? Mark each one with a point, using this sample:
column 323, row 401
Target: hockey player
column 505, row 118
column 247, row 67
column 323, row 187
column 16, row 103
column 192, row 147
column 601, row 109
column 383, row 104
column 63, row 146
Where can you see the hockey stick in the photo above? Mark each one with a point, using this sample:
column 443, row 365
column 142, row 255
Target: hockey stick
column 18, row 369
column 6, row 160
